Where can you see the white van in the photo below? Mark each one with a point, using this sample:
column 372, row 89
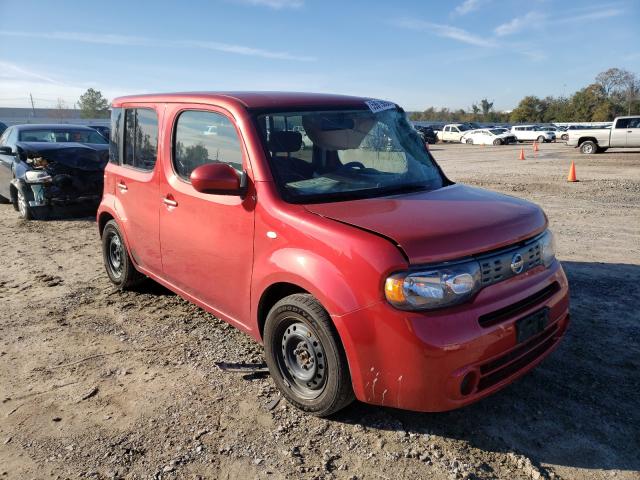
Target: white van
column 530, row 133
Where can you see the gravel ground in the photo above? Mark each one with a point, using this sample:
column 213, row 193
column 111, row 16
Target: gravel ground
column 95, row 383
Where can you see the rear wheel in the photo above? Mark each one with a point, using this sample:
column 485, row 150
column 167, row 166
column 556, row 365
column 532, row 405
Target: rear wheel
column 116, row 258
column 588, row 147
column 497, row 141
column 305, row 356
column 469, row 141
column 541, row 139
column 564, row 136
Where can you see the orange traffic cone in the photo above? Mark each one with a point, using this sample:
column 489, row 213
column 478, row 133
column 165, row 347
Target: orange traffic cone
column 521, row 157
column 535, row 146
column 572, row 173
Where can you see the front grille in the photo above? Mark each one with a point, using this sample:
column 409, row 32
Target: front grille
column 510, row 363
column 510, row 311
column 496, row 267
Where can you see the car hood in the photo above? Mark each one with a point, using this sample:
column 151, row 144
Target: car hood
column 445, row 224
column 79, row 156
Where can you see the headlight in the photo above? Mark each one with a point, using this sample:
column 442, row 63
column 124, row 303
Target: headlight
column 37, row 176
column 548, row 244
column 433, row 288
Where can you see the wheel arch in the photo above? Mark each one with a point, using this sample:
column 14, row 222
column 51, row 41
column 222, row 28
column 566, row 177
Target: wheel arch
column 103, row 218
column 272, row 295
column 587, row 139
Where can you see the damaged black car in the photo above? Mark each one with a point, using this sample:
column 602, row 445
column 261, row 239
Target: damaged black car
column 51, row 170
column 57, row 178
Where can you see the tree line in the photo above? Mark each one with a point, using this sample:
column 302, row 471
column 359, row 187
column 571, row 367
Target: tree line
column 614, row 92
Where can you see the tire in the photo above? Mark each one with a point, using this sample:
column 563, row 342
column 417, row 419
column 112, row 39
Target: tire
column 469, row 141
column 541, row 139
column 305, row 356
column 564, row 137
column 497, row 142
column 24, row 210
column 117, row 261
column 588, row 147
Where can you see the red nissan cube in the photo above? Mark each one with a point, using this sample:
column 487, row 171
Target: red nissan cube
column 321, row 226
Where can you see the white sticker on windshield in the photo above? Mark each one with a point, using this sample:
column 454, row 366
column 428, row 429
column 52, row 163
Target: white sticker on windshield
column 379, row 105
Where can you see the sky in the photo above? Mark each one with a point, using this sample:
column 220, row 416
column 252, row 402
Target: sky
column 416, row 53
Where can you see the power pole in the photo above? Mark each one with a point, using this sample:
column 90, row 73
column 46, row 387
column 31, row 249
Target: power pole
column 33, row 108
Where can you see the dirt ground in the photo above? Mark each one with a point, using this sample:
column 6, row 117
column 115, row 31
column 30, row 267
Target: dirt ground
column 95, row 383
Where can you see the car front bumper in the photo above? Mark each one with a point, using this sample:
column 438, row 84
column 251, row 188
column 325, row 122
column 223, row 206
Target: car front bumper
column 445, row 359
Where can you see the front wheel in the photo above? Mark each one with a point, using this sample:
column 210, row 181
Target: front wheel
column 23, row 206
column 497, row 141
column 588, row 147
column 116, row 258
column 541, row 139
column 469, row 141
column 305, row 356
column 564, row 137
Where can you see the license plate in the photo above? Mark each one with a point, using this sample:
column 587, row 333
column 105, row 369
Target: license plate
column 531, row 325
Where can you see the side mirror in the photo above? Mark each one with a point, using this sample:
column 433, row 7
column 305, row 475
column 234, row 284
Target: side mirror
column 218, row 178
column 6, row 150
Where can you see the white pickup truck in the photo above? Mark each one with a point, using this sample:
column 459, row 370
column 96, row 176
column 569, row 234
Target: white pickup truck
column 624, row 133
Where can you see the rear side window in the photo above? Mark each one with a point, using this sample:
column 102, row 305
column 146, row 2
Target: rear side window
column 140, row 138
column 204, row 137
column 5, row 136
column 114, row 139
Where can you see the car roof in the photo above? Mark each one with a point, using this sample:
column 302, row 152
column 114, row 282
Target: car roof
column 249, row 100
column 52, row 126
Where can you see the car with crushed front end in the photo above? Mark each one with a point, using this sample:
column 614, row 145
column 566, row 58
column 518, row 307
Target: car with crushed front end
column 488, row 136
column 48, row 170
column 363, row 270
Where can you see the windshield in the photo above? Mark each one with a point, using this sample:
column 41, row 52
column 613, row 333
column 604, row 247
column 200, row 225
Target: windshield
column 62, row 136
column 337, row 155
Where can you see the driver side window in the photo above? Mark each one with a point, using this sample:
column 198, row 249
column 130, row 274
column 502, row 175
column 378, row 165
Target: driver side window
column 203, row 137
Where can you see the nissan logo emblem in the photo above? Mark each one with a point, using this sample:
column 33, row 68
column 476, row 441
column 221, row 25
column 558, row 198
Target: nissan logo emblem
column 517, row 263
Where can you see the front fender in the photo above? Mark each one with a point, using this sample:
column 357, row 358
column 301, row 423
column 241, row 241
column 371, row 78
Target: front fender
column 310, row 272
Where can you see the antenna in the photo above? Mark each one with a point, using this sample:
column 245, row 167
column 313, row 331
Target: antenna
column 33, row 108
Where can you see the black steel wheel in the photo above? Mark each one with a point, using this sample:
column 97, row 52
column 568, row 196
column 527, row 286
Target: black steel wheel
column 117, row 262
column 305, row 356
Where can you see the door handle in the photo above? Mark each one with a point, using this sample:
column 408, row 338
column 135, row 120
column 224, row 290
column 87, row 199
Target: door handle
column 122, row 187
column 169, row 202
